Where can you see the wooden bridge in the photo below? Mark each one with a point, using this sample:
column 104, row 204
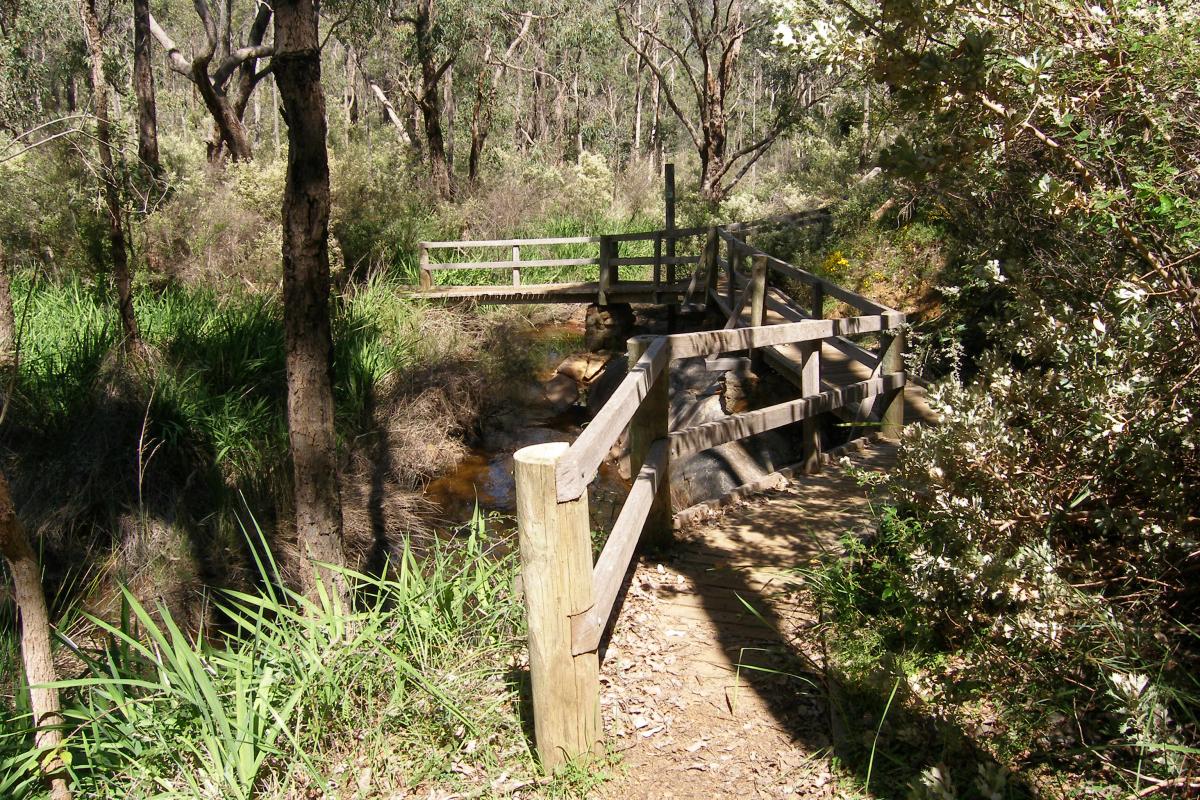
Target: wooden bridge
column 775, row 313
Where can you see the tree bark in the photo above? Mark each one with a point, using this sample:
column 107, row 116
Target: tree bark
column 308, row 337
column 108, row 175
column 35, row 640
column 143, row 88
column 429, row 100
column 8, row 321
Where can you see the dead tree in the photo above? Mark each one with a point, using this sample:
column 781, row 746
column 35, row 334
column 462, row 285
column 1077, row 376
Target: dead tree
column 225, row 84
column 307, row 333
column 36, row 656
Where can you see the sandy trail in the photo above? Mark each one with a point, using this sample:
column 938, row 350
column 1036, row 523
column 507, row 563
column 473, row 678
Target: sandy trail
column 708, row 688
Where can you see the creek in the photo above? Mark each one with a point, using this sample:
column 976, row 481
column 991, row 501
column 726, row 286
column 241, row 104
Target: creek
column 550, row 406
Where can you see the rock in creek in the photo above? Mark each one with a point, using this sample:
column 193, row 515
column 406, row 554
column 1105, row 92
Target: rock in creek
column 607, row 327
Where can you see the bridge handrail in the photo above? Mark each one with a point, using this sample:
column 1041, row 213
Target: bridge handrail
column 569, row 596
column 569, row 608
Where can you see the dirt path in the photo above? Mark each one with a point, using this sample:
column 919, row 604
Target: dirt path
column 705, row 688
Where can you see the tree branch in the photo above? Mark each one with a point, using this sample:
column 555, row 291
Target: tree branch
column 175, row 58
column 236, row 58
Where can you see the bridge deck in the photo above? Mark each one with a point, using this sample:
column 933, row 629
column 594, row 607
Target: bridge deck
column 576, row 292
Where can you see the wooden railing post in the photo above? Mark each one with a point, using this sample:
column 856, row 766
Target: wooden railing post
column 426, row 276
column 891, row 360
column 735, row 265
column 516, row 253
column 556, row 571
column 650, row 422
column 758, row 293
column 712, row 252
column 658, row 255
column 607, row 271
column 818, row 293
column 810, row 384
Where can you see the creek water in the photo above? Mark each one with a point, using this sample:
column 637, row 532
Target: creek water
column 539, row 410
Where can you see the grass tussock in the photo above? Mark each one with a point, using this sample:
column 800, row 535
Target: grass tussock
column 292, row 698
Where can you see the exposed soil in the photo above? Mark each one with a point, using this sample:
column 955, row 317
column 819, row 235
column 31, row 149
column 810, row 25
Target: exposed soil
column 710, row 684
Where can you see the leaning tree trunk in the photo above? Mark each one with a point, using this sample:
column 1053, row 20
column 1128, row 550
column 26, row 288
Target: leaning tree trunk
column 143, row 87
column 309, row 342
column 35, row 641
column 108, row 175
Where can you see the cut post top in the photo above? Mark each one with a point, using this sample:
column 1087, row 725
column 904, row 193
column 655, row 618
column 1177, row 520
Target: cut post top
column 545, row 453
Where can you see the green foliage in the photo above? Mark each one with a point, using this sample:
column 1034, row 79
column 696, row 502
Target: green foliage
column 282, row 696
column 1046, row 535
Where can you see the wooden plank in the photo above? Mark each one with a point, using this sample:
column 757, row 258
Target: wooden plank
column 468, row 243
column 712, row 434
column 858, row 353
column 533, row 262
column 658, row 256
column 606, row 270
column 613, row 563
column 853, row 299
column 577, row 467
column 711, row 259
column 556, row 572
column 646, row 261
column 795, row 273
column 725, row 364
column 567, row 292
column 516, row 254
column 735, row 316
column 651, row 422
column 686, row 345
column 671, row 234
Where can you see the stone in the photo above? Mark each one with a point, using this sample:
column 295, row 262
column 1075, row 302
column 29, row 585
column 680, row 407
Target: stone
column 561, row 392
column 607, row 327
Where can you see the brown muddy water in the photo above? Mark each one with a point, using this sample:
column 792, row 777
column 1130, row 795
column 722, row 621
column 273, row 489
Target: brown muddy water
column 538, row 411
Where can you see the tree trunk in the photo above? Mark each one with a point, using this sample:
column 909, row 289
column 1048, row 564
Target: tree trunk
column 439, row 165
column 307, row 333
column 30, row 598
column 143, row 87
column 430, row 99
column 108, row 175
column 451, row 107
column 481, row 123
column 8, row 321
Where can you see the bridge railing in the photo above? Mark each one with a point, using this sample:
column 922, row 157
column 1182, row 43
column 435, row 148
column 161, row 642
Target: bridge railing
column 569, row 599
column 608, row 259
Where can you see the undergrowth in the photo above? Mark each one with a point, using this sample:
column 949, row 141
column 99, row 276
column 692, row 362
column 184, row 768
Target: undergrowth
column 414, row 687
